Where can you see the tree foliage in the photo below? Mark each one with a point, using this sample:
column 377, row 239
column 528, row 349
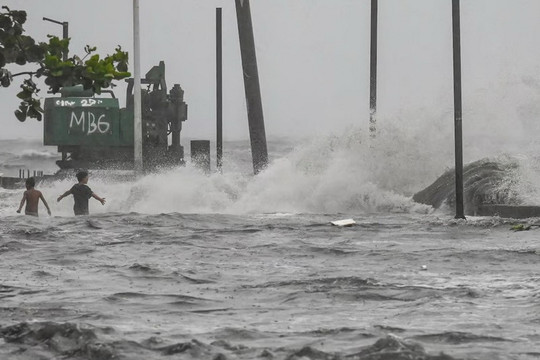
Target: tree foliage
column 92, row 71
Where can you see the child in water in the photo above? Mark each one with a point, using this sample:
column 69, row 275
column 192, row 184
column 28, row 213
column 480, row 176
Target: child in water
column 81, row 193
column 31, row 196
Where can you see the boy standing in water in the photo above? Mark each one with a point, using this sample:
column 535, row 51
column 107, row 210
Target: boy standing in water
column 31, row 196
column 81, row 193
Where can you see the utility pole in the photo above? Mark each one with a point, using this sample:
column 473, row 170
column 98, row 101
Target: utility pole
column 65, row 33
column 65, row 36
column 373, row 70
column 137, row 113
column 458, row 134
column 219, row 92
column 252, row 88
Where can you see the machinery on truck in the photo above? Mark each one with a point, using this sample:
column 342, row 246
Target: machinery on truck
column 95, row 133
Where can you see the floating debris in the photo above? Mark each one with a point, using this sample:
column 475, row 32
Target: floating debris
column 344, row 222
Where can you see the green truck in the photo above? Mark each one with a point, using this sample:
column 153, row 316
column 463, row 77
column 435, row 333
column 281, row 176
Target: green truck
column 95, row 133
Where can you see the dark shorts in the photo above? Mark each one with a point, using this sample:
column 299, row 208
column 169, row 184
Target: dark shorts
column 81, row 212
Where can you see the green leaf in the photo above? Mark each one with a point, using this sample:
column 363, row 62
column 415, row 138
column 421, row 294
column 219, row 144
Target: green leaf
column 5, row 81
column 20, row 115
column 88, row 49
column 5, row 22
column 122, row 67
column 40, row 72
column 21, row 59
column 122, row 75
column 93, row 61
column 24, row 95
column 19, row 16
column 35, row 53
column 34, row 113
column 51, row 61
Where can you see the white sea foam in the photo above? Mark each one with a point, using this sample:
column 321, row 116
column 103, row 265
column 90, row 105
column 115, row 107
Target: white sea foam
column 334, row 174
column 326, row 175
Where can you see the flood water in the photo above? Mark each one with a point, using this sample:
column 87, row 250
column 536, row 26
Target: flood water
column 182, row 265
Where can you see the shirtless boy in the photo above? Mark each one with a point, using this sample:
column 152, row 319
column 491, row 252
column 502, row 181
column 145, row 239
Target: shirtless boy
column 31, row 196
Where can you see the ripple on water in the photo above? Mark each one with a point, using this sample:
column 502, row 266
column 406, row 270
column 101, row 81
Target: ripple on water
column 355, row 288
column 456, row 337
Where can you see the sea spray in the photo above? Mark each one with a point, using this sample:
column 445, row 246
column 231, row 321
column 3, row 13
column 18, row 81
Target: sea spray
column 346, row 172
column 326, row 175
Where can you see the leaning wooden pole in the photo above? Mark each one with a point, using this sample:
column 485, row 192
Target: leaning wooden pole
column 373, row 70
column 458, row 134
column 252, row 88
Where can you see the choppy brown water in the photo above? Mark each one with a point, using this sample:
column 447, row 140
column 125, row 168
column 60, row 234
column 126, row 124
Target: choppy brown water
column 203, row 286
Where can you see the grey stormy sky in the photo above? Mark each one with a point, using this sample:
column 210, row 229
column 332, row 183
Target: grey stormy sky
column 313, row 56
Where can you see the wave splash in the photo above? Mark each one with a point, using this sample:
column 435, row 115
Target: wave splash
column 332, row 174
column 346, row 173
column 325, row 175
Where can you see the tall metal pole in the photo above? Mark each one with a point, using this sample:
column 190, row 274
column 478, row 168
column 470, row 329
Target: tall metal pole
column 137, row 113
column 65, row 36
column 219, row 92
column 65, row 33
column 373, row 70
column 252, row 88
column 458, row 135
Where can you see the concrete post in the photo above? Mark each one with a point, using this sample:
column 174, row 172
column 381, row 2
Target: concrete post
column 200, row 154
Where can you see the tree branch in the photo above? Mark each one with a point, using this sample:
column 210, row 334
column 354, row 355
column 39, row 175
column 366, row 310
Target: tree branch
column 24, row 73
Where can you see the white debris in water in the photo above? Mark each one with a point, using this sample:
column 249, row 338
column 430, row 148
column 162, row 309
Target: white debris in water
column 344, row 222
